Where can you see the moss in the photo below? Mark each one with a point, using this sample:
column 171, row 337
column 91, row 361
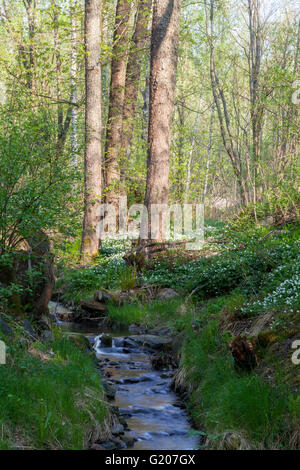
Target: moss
column 266, row 338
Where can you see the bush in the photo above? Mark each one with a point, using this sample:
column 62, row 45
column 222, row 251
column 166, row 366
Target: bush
column 37, row 188
column 81, row 283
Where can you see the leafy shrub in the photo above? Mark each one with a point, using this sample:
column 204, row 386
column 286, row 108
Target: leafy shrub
column 37, row 188
column 81, row 283
column 128, row 278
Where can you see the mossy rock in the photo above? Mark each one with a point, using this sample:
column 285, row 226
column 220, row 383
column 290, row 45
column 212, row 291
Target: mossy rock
column 106, row 341
column 79, row 340
column 266, row 338
column 235, row 441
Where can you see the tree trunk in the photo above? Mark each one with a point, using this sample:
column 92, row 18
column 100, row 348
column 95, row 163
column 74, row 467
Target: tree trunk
column 133, row 72
column 189, row 166
column 254, row 75
column 92, row 158
column 30, row 6
column 209, row 148
column 58, row 64
column 146, row 104
column 116, row 102
column 164, row 58
column 180, row 170
column 74, row 115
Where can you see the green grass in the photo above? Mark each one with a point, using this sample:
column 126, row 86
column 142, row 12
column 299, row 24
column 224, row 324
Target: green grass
column 52, row 404
column 149, row 314
column 224, row 400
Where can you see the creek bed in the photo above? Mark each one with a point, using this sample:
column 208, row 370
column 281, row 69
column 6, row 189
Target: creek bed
column 155, row 416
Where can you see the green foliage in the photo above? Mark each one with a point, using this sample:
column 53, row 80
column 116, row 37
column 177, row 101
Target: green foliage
column 233, row 304
column 126, row 314
column 294, row 408
column 37, row 187
column 22, row 275
column 259, row 272
column 81, row 283
column 220, row 274
column 280, row 205
column 109, row 270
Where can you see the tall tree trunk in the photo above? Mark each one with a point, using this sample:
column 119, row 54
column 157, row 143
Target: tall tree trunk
column 73, row 97
column 254, row 75
column 92, row 158
column 209, row 148
column 58, row 67
column 146, row 104
column 30, row 6
column 63, row 122
column 164, row 58
column 116, row 102
column 133, row 72
column 179, row 176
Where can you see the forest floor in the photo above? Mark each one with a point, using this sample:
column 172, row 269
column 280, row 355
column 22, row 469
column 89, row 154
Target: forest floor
column 245, row 283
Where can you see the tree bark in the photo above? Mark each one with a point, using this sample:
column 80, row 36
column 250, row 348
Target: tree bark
column 146, row 104
column 30, row 6
column 116, row 102
column 254, row 75
column 73, row 97
column 133, row 72
column 209, row 148
column 92, row 158
column 60, row 121
column 164, row 58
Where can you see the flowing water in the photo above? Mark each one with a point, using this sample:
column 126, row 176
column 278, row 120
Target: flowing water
column 154, row 414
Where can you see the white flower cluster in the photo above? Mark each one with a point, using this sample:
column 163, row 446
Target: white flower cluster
column 287, row 294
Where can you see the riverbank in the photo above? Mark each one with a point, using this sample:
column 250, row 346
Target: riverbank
column 51, row 396
column 232, row 408
column 66, row 389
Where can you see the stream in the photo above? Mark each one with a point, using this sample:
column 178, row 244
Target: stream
column 155, row 416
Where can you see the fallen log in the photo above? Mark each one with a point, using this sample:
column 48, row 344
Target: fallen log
column 92, row 306
column 140, row 253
